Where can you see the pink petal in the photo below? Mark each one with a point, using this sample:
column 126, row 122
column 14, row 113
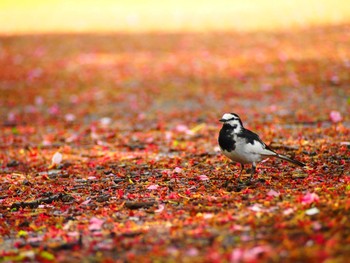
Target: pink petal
column 208, row 215
column 39, row 100
column 256, row 208
column 94, row 136
column 57, row 158
column 263, row 161
column 237, row 227
column 54, row 110
column 95, row 224
column 203, row 177
column 86, row 202
column 72, row 138
column 160, row 208
column 73, row 234
column 335, row 116
column 309, row 198
column 91, row 178
column 104, row 246
column 192, row 252
column 258, row 250
column 316, row 226
column 70, row 117
column 172, row 250
column 153, row 187
column 35, row 239
column 181, row 128
column 288, row 211
column 253, row 253
column 11, row 116
column 168, row 136
column 105, row 121
column 177, row 170
column 236, row 255
column 273, row 193
column 248, row 255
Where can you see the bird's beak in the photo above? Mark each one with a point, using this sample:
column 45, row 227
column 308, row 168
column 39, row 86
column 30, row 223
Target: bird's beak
column 222, row 120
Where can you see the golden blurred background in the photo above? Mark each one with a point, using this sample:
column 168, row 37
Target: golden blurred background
column 47, row 16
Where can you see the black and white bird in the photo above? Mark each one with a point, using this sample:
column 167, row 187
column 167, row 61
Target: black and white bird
column 244, row 146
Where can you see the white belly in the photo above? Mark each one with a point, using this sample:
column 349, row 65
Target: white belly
column 246, row 153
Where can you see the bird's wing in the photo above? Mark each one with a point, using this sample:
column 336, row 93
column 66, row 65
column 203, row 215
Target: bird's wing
column 255, row 144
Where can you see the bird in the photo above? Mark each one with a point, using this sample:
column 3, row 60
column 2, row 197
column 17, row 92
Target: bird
column 244, row 146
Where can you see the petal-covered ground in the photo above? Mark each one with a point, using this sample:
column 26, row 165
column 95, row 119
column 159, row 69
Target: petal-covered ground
column 109, row 146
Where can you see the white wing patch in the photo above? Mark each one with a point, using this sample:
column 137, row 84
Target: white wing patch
column 257, row 148
column 249, row 153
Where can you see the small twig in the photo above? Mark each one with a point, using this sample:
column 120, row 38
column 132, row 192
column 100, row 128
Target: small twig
column 47, row 200
column 70, row 245
column 138, row 205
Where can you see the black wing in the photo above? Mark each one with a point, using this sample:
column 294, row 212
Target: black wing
column 252, row 137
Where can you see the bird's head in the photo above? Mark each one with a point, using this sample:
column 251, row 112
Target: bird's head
column 233, row 120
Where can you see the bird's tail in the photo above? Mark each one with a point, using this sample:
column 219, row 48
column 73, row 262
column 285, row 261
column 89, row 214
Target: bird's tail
column 290, row 160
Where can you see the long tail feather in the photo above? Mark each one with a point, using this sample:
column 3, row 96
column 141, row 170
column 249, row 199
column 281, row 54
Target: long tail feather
column 290, row 160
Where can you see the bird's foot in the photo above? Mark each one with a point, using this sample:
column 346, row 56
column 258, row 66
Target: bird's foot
column 247, row 182
column 251, row 180
column 246, row 178
column 240, row 182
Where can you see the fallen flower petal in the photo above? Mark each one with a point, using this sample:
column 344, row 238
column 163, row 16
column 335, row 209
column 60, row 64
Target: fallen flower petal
column 181, row 128
column 91, row 178
column 105, row 121
column 69, row 117
column 309, row 198
column 288, row 211
column 160, row 208
column 73, row 234
column 177, row 170
column 208, row 216
column 86, row 202
column 312, row 211
column 153, row 187
column 95, row 224
column 256, row 208
column 57, row 158
column 237, row 255
column 192, row 252
column 248, row 255
column 273, row 193
column 203, row 177
column 335, row 116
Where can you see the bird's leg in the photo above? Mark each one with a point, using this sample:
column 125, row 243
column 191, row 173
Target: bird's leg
column 231, row 177
column 253, row 171
column 239, row 176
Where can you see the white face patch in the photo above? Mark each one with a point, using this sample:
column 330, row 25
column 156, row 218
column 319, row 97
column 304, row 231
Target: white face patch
column 228, row 116
column 237, row 127
column 234, row 121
